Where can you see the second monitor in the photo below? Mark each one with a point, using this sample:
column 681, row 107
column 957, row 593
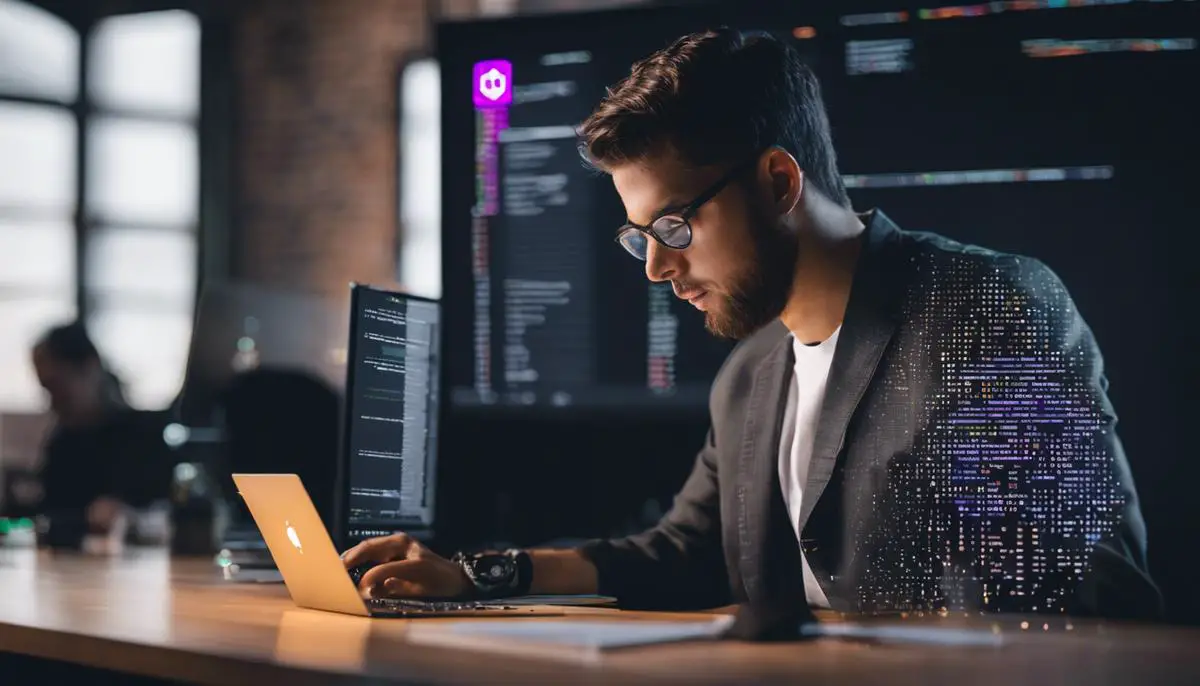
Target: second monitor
column 390, row 421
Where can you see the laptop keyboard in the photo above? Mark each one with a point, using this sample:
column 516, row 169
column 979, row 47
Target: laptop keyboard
column 416, row 607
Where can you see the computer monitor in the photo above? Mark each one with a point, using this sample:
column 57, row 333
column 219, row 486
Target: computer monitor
column 1026, row 131
column 390, row 419
column 262, row 393
column 243, row 327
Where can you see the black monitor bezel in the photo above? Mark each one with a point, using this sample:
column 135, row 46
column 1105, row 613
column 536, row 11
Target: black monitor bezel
column 341, row 536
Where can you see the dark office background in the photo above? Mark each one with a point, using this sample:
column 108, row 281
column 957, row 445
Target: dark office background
column 300, row 162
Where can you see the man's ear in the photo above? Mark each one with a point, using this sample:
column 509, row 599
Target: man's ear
column 784, row 178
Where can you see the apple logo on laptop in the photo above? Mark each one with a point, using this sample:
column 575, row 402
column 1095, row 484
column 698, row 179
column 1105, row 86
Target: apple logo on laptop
column 293, row 537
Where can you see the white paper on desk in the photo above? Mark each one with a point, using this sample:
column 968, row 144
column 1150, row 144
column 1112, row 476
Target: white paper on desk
column 945, row 636
column 567, row 639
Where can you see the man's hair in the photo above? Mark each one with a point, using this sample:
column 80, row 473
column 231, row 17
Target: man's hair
column 717, row 97
column 70, row 344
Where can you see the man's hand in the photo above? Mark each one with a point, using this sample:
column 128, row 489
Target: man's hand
column 406, row 569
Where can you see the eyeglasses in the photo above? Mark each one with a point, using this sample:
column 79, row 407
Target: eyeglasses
column 673, row 229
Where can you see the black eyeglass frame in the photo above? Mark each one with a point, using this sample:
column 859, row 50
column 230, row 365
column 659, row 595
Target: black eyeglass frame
column 683, row 215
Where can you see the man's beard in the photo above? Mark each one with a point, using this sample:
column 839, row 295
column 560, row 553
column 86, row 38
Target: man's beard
column 760, row 294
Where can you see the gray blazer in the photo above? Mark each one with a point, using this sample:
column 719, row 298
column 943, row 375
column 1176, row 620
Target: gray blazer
column 965, row 457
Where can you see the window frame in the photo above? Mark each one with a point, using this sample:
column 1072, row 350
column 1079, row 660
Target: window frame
column 84, row 110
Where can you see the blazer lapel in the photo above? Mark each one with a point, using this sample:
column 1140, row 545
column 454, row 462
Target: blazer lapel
column 867, row 328
column 757, row 479
column 769, row 568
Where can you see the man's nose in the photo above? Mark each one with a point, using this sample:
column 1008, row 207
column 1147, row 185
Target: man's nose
column 660, row 262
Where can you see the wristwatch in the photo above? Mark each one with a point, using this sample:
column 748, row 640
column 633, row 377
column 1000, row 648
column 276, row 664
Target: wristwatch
column 497, row 575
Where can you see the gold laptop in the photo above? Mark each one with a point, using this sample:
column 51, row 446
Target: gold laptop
column 313, row 571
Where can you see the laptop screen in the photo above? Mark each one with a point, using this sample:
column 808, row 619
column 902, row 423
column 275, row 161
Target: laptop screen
column 390, row 444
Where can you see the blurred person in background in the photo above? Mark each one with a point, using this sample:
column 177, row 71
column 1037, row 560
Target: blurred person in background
column 101, row 459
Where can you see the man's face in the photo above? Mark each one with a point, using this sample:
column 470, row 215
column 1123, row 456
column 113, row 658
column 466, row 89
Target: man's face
column 739, row 267
column 72, row 390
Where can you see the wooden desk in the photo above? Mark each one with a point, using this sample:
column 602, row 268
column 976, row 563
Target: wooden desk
column 144, row 613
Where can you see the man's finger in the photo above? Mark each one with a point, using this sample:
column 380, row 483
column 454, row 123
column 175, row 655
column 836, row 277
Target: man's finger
column 375, row 576
column 402, row 588
column 355, row 556
column 383, row 549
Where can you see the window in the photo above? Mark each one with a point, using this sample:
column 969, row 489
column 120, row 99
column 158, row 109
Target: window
column 39, row 58
column 39, row 54
column 143, row 198
column 420, row 179
column 137, row 236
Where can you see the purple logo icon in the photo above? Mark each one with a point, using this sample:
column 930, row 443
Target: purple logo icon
column 493, row 83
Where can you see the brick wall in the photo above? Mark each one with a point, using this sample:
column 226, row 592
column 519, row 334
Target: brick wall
column 315, row 148
column 316, row 141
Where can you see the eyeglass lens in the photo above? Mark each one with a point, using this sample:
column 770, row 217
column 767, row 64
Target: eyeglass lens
column 674, row 232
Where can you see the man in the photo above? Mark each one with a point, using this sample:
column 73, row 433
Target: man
column 101, row 459
column 908, row 423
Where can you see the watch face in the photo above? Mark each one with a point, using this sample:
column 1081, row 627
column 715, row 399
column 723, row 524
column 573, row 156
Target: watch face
column 494, row 570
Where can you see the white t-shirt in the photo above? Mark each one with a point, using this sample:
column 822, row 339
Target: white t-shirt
column 806, row 393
